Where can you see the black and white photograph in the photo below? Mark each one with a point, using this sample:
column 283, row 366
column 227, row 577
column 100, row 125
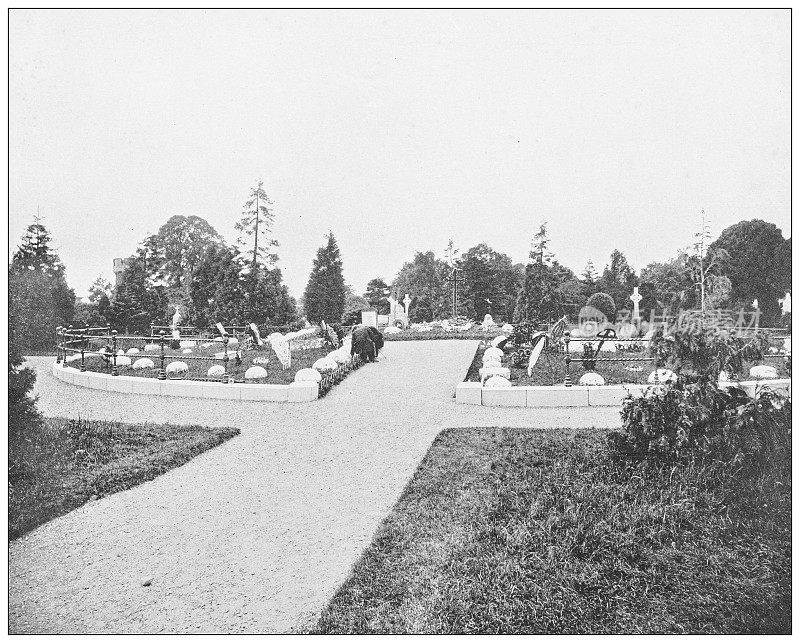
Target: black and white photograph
column 399, row 321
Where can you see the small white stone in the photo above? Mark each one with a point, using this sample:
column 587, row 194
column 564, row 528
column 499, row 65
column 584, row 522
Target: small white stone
column 307, row 375
column 187, row 351
column 255, row 372
column 496, row 381
column 177, row 368
column 661, row 376
column 491, row 371
column 261, row 360
column 493, row 351
column 149, row 348
column 763, row 372
column 498, row 339
column 185, row 343
column 591, row 379
column 324, row 364
column 143, row 363
column 339, row 356
column 507, row 328
column 232, row 341
column 391, row 330
column 132, row 351
column 120, row 352
column 147, row 581
column 123, row 361
column 216, row 371
column 206, row 345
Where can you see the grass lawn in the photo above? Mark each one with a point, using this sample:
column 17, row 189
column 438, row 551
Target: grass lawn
column 60, row 467
column 198, row 369
column 535, row 531
column 549, row 369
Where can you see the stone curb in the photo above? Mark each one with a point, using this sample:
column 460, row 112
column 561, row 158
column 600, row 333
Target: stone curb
column 580, row 396
column 294, row 392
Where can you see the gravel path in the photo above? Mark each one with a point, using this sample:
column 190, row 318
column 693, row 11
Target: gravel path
column 256, row 534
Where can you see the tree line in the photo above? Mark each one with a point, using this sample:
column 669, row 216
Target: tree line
column 188, row 264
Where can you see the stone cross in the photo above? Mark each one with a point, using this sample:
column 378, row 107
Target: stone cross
column 406, row 303
column 636, row 298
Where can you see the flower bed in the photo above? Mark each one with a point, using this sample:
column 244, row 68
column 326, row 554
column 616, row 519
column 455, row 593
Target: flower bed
column 550, row 369
column 198, row 368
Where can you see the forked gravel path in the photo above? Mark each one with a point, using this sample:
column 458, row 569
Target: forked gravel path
column 256, row 534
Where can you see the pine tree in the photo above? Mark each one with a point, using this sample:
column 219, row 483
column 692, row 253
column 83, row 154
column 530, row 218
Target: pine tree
column 539, row 297
column 38, row 290
column 325, row 293
column 255, row 227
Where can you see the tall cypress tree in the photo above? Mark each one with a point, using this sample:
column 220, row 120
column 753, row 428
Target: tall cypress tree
column 325, row 293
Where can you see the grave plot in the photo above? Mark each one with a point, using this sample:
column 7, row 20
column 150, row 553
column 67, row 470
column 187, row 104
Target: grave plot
column 237, row 355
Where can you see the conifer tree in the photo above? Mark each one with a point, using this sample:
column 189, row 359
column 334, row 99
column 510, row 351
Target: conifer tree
column 325, row 293
column 38, row 290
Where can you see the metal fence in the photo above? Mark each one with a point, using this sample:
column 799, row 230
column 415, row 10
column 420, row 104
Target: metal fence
column 79, row 341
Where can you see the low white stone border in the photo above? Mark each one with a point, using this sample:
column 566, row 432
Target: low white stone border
column 294, row 392
column 579, row 396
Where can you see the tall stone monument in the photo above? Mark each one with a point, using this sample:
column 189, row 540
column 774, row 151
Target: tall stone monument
column 636, row 317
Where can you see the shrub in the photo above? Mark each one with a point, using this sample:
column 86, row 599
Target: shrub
column 604, row 303
column 23, row 417
column 693, row 418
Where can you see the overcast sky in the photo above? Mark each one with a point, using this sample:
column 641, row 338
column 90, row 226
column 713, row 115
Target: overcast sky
column 398, row 130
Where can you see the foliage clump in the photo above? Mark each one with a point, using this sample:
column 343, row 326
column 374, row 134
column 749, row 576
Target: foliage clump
column 694, row 419
column 604, row 303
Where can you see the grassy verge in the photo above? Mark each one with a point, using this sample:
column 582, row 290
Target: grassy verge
column 61, row 466
column 531, row 531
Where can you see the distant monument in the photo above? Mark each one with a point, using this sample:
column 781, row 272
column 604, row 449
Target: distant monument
column 636, row 298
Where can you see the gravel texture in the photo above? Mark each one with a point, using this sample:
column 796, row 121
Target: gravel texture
column 257, row 534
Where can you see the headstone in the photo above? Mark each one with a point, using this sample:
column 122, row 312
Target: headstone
column 636, row 298
column 256, row 334
column 539, row 340
column 786, row 303
column 369, row 318
column 281, row 348
column 406, row 303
